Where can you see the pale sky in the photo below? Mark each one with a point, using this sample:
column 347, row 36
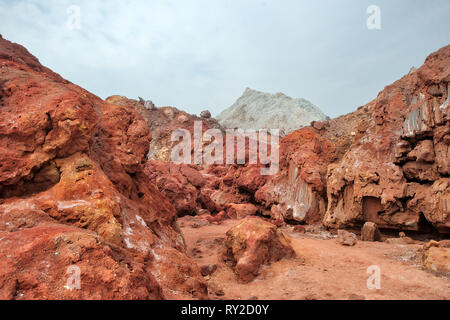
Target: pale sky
column 202, row 54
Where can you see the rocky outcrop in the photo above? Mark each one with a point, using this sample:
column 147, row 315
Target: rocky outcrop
column 184, row 185
column 252, row 243
column 162, row 122
column 370, row 232
column 259, row 110
column 396, row 174
column 386, row 163
column 297, row 193
column 73, row 193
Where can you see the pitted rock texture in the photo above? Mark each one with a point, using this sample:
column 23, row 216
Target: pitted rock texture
column 183, row 185
column 259, row 110
column 73, row 191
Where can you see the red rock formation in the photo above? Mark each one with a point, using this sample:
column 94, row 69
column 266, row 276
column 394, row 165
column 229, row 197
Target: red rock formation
column 387, row 162
column 73, row 192
column 298, row 192
column 183, row 185
column 162, row 123
column 397, row 174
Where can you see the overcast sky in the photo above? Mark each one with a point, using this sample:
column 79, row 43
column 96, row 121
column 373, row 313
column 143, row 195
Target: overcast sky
column 202, row 54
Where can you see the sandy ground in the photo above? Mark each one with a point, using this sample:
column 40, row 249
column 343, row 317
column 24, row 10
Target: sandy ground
column 323, row 269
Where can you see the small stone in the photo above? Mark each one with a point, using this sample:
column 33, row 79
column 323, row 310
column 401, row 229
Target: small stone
column 356, row 297
column 346, row 238
column 299, row 229
column 219, row 293
column 205, row 114
column 203, row 212
column 208, row 269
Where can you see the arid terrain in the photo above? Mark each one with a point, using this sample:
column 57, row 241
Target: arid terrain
column 92, row 207
column 324, row 270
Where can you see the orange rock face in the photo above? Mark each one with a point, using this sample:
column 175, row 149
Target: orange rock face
column 183, row 185
column 73, row 192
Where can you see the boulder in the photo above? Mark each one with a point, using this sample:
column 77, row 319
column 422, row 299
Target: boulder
column 253, row 243
column 370, row 232
column 346, row 238
column 205, row 114
column 183, row 185
column 436, row 257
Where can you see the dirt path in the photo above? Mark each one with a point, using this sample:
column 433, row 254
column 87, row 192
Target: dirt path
column 324, row 269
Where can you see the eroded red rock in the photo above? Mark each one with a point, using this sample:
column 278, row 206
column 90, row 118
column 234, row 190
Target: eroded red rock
column 405, row 182
column 71, row 160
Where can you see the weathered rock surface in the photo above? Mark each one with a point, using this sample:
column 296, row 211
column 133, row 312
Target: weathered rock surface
column 183, row 185
column 396, row 174
column 73, row 192
column 298, row 191
column 252, row 243
column 162, row 122
column 35, row 265
column 240, row 210
column 386, row 163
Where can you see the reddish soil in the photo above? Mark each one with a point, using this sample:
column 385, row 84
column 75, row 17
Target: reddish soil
column 323, row 268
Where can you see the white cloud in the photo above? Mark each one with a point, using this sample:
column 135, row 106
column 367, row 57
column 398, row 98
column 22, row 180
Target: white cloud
column 201, row 54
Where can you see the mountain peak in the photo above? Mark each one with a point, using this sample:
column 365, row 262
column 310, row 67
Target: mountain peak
column 260, row 110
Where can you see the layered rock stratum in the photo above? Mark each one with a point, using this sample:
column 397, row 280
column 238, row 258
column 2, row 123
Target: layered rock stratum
column 259, row 110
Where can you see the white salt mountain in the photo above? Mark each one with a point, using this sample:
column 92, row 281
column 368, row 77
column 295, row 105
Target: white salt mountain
column 259, row 110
